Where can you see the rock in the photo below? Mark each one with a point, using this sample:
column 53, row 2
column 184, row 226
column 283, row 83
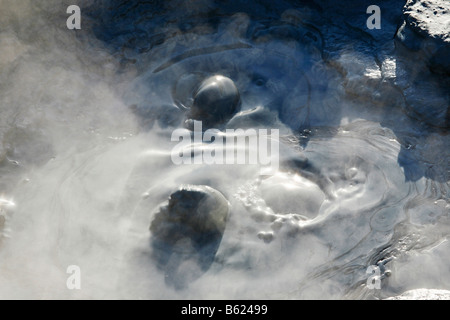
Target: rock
column 426, row 28
column 187, row 232
column 215, row 101
column 422, row 60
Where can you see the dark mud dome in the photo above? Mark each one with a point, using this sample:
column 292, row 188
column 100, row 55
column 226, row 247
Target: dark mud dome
column 358, row 207
column 188, row 230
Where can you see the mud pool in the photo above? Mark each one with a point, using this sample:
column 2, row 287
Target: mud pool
column 86, row 176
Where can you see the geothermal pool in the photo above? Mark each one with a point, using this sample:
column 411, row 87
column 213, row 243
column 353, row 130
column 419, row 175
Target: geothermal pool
column 357, row 206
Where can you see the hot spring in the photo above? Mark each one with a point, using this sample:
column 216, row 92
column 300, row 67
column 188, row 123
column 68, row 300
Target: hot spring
column 357, row 206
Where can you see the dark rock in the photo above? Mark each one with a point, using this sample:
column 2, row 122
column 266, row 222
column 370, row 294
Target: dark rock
column 426, row 29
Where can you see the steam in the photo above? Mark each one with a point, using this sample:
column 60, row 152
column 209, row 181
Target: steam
column 85, row 160
column 59, row 109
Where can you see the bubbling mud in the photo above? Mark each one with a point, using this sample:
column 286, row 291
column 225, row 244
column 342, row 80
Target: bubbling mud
column 87, row 178
column 215, row 101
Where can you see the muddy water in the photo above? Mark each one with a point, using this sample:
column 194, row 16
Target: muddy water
column 86, row 119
